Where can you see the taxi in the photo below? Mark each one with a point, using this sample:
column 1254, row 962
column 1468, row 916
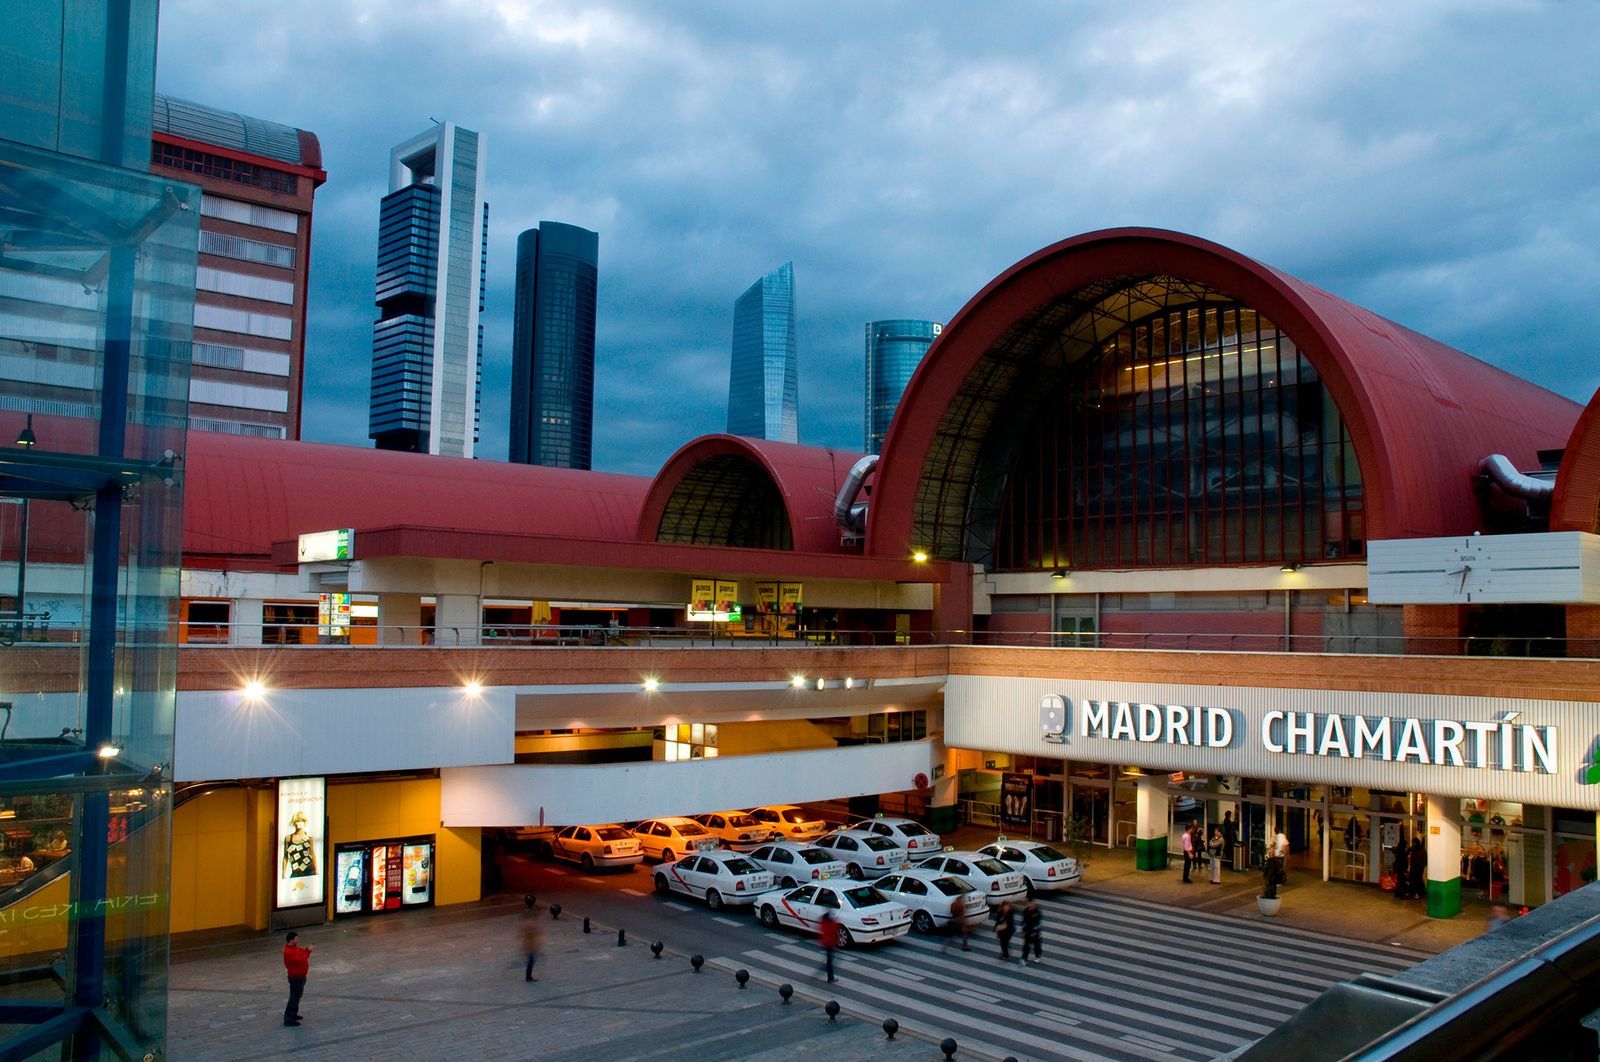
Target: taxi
column 864, row 914
column 790, row 821
column 792, row 862
column 909, row 834
column 1044, row 869
column 736, row 829
column 865, row 855
column 997, row 881
column 720, row 878
column 932, row 896
column 596, row 846
column 664, row 839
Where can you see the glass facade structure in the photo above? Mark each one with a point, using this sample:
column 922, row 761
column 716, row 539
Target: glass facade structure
column 1193, row 435
column 552, row 351
column 99, row 276
column 764, row 380
column 427, row 344
column 894, row 350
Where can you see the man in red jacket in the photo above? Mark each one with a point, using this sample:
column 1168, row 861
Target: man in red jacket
column 297, row 962
column 828, row 937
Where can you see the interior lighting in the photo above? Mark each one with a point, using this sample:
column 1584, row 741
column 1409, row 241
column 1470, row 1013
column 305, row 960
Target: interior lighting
column 109, row 751
column 920, row 556
column 26, row 438
column 1290, row 568
column 254, row 690
column 799, row 682
column 651, row 684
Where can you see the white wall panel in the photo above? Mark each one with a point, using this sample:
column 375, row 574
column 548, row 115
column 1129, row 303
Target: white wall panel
column 320, row 731
column 1002, row 715
column 527, row 795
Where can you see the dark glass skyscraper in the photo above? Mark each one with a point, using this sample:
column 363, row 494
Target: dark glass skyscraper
column 894, row 350
column 552, row 352
column 764, row 381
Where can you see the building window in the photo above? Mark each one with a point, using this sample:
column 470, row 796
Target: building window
column 224, row 169
column 243, row 250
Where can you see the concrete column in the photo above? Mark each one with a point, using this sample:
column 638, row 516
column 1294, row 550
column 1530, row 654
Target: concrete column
column 399, row 619
column 244, row 621
column 945, row 794
column 1444, row 856
column 1151, row 823
column 457, row 619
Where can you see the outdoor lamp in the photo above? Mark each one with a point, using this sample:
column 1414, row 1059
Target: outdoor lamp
column 26, row 438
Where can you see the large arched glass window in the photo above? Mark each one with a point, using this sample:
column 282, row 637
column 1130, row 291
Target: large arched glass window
column 1196, row 435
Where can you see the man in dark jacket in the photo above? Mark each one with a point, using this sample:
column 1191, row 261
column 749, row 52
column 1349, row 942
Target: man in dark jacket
column 1417, row 867
column 297, row 964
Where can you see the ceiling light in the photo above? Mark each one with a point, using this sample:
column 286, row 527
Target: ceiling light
column 920, row 556
column 26, row 438
column 1059, row 575
column 1290, row 568
column 651, row 684
column 473, row 688
column 109, row 751
column 799, row 682
column 254, row 690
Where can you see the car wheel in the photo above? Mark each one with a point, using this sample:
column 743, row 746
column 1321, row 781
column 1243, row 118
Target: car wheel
column 587, row 863
column 788, row 883
column 845, row 939
column 769, row 917
column 853, row 872
column 666, row 855
column 661, row 884
column 922, row 922
column 1028, row 884
column 542, row 850
column 714, row 899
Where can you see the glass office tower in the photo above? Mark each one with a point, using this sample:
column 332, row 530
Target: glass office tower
column 764, row 380
column 427, row 344
column 552, row 351
column 894, row 350
column 97, row 282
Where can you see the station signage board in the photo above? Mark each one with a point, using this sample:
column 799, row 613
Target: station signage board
column 327, row 545
column 302, row 835
column 333, row 614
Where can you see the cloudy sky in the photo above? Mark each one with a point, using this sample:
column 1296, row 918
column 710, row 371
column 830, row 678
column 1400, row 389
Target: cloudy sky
column 1434, row 160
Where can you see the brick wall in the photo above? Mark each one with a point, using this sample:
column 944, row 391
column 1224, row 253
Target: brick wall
column 1434, row 630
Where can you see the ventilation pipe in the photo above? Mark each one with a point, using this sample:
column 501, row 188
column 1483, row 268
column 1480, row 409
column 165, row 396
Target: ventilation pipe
column 850, row 515
column 1500, row 471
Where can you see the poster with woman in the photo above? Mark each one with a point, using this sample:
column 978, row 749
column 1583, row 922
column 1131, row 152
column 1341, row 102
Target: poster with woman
column 302, row 819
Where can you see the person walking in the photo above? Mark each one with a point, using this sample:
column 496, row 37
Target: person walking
column 1230, row 838
column 958, row 925
column 1214, row 850
column 1417, row 867
column 1189, row 854
column 530, row 944
column 297, row 964
column 1032, row 931
column 1005, row 924
column 1402, row 874
column 828, row 937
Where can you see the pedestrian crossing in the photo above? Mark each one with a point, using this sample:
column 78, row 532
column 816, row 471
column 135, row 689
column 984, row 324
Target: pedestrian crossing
column 1120, row 979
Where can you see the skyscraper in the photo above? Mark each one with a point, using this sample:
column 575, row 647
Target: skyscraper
column 552, row 350
column 427, row 344
column 764, row 380
column 894, row 350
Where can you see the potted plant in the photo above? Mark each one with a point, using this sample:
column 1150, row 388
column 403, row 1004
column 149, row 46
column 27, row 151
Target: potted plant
column 1272, row 876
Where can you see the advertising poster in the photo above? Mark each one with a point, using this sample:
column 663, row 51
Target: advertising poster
column 380, row 876
column 302, row 841
column 766, row 597
column 1016, row 800
column 727, row 598
column 702, row 595
column 394, row 878
column 419, row 873
column 349, row 882
column 789, row 598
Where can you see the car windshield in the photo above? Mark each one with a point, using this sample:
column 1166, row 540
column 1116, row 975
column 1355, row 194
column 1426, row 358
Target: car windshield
column 814, row 856
column 864, row 896
column 1046, row 853
column 991, row 866
column 612, row 833
column 879, row 844
column 796, row 815
column 741, row 866
column 952, row 886
column 742, row 820
column 691, row 829
column 914, row 829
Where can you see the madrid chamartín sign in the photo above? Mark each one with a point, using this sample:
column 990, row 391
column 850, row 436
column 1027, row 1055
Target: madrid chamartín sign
column 1502, row 744
column 1532, row 751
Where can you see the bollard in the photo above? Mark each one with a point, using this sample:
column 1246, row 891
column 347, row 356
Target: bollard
column 528, row 900
column 697, row 961
column 656, row 947
column 948, row 1047
column 891, row 1027
column 742, row 976
column 555, row 910
column 586, row 923
column 786, row 990
column 832, row 1009
column 622, row 938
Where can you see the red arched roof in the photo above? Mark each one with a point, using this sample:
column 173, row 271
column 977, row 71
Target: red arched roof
column 807, row 478
column 1421, row 414
column 1576, row 505
column 241, row 495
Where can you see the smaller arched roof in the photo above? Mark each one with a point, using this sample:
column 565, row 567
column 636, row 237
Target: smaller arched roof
column 241, row 494
column 1576, row 505
column 237, row 132
column 727, row 490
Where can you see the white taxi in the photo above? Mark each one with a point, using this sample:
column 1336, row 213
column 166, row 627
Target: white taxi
column 790, row 821
column 909, row 834
column 664, row 839
column 596, row 846
column 791, row 863
column 718, row 877
column 863, row 913
column 1044, row 869
column 736, row 829
column 865, row 855
column 997, row 881
column 933, row 897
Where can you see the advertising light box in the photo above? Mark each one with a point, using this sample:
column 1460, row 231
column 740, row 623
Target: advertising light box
column 302, row 847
